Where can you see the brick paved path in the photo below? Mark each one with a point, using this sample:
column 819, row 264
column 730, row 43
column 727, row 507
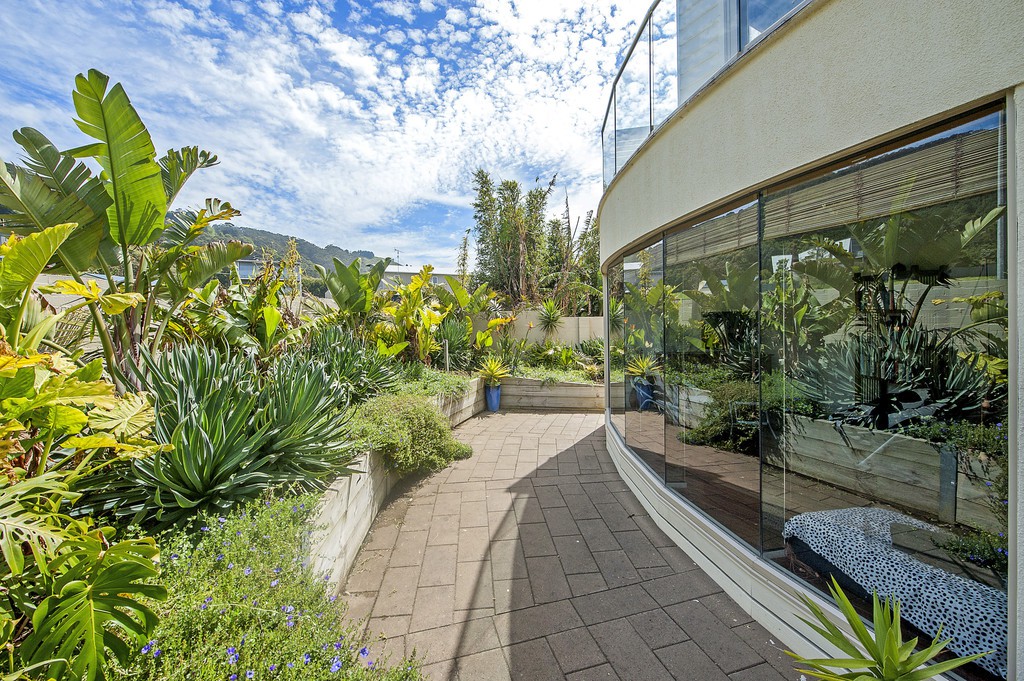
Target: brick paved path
column 533, row 560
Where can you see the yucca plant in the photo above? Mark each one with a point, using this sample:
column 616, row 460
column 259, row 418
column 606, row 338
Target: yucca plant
column 549, row 318
column 885, row 655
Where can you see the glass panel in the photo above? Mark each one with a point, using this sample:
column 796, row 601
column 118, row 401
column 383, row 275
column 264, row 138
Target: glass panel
column 616, row 358
column 633, row 101
column 608, row 143
column 644, row 296
column 884, row 398
column 761, row 14
column 711, row 272
column 664, row 62
column 704, row 45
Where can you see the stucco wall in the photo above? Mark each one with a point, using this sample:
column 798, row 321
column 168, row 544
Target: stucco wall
column 840, row 75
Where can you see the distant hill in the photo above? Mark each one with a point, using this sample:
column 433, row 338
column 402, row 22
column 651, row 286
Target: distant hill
column 277, row 245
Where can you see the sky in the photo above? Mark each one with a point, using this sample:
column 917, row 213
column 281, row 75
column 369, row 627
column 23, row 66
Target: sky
column 354, row 122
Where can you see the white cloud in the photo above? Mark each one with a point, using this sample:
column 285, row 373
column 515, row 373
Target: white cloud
column 332, row 123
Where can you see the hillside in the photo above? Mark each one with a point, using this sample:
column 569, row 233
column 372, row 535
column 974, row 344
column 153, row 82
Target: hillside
column 277, row 245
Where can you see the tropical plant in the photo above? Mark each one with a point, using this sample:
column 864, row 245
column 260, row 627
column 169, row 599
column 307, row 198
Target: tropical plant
column 643, row 368
column 121, row 214
column 236, row 432
column 411, row 314
column 492, row 370
column 572, row 266
column 362, row 370
column 549, row 318
column 453, row 335
column 352, row 289
column 509, row 235
column 881, row 655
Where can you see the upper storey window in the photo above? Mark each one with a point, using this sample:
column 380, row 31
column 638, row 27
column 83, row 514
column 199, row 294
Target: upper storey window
column 681, row 45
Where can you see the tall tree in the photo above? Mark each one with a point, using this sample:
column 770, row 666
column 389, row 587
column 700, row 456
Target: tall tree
column 572, row 271
column 510, row 235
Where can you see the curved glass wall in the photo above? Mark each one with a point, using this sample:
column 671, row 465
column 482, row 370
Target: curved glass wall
column 822, row 370
column 679, row 47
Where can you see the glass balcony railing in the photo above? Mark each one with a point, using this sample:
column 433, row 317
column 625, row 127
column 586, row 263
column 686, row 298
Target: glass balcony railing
column 680, row 46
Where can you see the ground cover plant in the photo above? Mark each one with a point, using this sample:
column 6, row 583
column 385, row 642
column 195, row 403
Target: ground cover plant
column 244, row 603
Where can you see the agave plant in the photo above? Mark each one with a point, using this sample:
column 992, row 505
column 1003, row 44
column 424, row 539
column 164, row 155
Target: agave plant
column 643, row 368
column 492, row 370
column 884, row 655
column 549, row 317
column 362, row 370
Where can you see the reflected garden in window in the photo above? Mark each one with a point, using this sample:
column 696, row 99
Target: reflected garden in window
column 826, row 377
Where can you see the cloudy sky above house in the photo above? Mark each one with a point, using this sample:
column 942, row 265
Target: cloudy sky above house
column 355, row 122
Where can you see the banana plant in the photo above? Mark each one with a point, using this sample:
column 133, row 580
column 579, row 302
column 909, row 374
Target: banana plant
column 122, row 215
column 353, row 290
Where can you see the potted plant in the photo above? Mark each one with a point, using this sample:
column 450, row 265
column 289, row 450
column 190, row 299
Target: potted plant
column 643, row 369
column 492, row 370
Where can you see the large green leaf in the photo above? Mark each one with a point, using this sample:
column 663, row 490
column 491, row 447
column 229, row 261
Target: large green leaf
column 79, row 196
column 126, row 153
column 28, row 518
column 27, row 258
column 132, row 416
column 94, row 612
column 178, row 165
column 210, row 259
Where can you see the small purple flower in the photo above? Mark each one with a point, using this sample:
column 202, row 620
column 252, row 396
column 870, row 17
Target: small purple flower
column 156, row 653
column 335, row 665
column 220, row 557
column 233, row 677
column 273, row 667
column 230, row 565
column 306, row 658
column 204, row 528
column 222, row 520
column 247, row 571
column 273, row 583
column 146, row 648
column 363, row 652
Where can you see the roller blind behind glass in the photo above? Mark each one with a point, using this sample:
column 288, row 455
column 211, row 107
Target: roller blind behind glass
column 955, row 164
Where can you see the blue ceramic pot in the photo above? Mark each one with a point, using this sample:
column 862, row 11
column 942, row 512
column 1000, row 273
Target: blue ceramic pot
column 493, row 395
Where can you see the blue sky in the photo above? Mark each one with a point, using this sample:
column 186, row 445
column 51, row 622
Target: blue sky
column 355, row 122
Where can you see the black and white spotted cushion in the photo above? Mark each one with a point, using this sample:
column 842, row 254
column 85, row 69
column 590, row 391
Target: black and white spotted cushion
column 858, row 541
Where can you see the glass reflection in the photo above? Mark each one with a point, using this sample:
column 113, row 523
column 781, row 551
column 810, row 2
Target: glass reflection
column 633, row 101
column 884, row 330
column 712, row 369
column 644, row 294
column 616, row 353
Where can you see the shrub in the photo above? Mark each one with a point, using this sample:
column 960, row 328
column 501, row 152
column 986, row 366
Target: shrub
column 244, row 599
column 409, row 431
column 460, row 351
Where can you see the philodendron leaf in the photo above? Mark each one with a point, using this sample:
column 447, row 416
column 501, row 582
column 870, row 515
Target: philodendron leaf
column 132, row 416
column 95, row 613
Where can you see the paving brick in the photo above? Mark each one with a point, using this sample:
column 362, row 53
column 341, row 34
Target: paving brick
column 448, row 503
column 473, row 543
column 397, row 591
column 615, row 517
column 489, row 665
column 641, row 552
column 574, row 554
column 616, row 567
column 726, row 609
column 368, row 571
column 716, row 640
column 532, row 661
column 473, row 514
column 389, row 627
column 687, row 661
column 626, row 652
column 439, row 565
column 507, row 559
column 581, row 506
column 547, row 579
column 528, row 510
column 575, row 649
column 597, row 535
column 381, row 538
column 762, row 672
column 657, row 629
column 443, row 643
column 560, row 522
column 540, row 620
column 409, row 549
column 443, row 530
column 612, row 604
column 681, row 587
column 433, row 608
column 512, row 594
column 586, row 583
column 473, row 586
column 536, row 540
column 549, row 496
column 502, row 525
column 602, row 672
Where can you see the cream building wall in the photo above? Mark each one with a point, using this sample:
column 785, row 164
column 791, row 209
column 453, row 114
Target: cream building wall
column 839, row 76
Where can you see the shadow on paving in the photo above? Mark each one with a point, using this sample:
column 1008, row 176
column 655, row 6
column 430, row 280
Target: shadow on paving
column 533, row 560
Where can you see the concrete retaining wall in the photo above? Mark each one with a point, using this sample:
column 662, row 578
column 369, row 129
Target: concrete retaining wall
column 571, row 330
